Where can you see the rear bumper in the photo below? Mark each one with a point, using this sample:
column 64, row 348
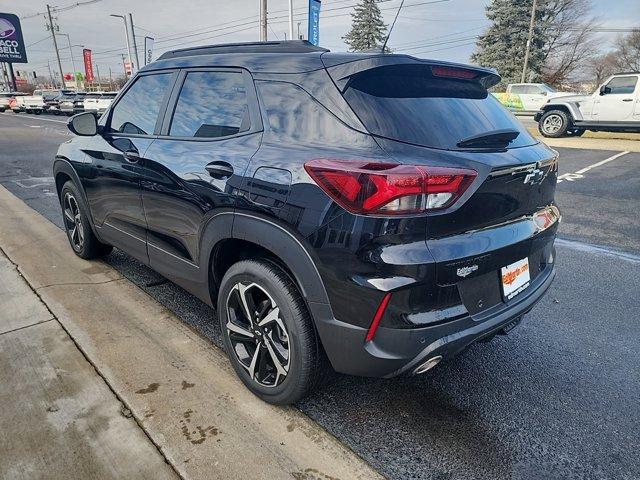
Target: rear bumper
column 397, row 351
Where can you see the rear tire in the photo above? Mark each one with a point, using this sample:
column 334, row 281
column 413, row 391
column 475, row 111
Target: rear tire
column 264, row 320
column 75, row 217
column 554, row 123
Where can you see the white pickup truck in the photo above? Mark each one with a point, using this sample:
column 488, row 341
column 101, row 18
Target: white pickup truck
column 614, row 107
column 29, row 103
column 528, row 97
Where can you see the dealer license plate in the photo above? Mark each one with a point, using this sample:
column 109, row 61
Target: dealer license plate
column 515, row 278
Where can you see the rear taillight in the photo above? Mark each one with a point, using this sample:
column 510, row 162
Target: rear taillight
column 371, row 188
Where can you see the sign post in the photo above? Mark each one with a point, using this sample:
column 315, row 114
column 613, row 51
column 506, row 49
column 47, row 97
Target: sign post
column 12, row 47
column 314, row 22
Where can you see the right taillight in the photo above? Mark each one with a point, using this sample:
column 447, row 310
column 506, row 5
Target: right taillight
column 374, row 188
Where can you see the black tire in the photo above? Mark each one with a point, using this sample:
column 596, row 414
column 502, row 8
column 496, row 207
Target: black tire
column 267, row 287
column 554, row 123
column 76, row 222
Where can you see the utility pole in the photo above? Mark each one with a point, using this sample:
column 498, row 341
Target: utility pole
column 124, row 66
column 50, row 73
column 98, row 75
column 530, row 37
column 290, row 19
column 55, row 44
column 299, row 37
column 263, row 20
column 135, row 46
column 126, row 32
column 110, row 80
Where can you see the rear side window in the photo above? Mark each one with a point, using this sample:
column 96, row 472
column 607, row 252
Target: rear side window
column 407, row 103
column 211, row 105
column 137, row 111
column 621, row 85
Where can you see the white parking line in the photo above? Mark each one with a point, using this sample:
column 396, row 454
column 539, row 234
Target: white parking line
column 588, row 248
column 570, row 177
column 31, row 118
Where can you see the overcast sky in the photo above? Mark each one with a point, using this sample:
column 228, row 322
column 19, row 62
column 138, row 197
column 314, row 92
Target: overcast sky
column 443, row 30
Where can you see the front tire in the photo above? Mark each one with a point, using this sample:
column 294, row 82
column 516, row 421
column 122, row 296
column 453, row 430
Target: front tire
column 554, row 123
column 76, row 223
column 268, row 333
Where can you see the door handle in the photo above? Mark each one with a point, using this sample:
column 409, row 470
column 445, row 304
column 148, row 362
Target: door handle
column 627, row 99
column 219, row 170
column 131, row 156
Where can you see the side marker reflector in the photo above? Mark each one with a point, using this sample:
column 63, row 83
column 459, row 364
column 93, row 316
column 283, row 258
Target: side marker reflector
column 377, row 317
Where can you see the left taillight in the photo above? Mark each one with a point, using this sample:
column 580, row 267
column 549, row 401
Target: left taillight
column 374, row 188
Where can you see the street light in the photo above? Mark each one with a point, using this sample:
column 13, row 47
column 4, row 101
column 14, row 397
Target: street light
column 126, row 32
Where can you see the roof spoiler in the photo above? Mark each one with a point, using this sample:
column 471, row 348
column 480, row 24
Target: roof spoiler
column 341, row 72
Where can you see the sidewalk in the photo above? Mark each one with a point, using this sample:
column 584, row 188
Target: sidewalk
column 59, row 419
column 180, row 388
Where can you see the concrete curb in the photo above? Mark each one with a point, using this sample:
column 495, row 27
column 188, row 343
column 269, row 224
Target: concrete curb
column 179, row 387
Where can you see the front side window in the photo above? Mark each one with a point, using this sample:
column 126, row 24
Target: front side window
column 137, row 111
column 621, row 85
column 211, row 105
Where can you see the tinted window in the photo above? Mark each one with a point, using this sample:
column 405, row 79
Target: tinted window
column 295, row 117
column 137, row 111
column 518, row 89
column 408, row 104
column 622, row 85
column 211, row 104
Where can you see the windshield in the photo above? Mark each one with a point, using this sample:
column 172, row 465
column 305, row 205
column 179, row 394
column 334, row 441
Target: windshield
column 547, row 88
column 409, row 104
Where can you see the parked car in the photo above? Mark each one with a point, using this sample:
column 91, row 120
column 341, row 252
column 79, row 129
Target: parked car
column 65, row 104
column 380, row 211
column 13, row 103
column 52, row 99
column 5, row 100
column 528, row 97
column 614, row 107
column 98, row 102
column 29, row 103
column 78, row 102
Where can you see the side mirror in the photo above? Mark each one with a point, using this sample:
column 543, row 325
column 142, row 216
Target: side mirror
column 544, row 94
column 83, row 124
column 604, row 90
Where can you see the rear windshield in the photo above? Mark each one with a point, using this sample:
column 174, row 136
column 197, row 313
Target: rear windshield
column 407, row 103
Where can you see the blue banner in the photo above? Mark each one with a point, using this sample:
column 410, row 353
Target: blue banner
column 314, row 22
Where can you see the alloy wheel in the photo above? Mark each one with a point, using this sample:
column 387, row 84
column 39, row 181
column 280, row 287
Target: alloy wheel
column 73, row 221
column 258, row 335
column 552, row 124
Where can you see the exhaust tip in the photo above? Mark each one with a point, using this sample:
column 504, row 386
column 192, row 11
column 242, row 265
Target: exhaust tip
column 428, row 365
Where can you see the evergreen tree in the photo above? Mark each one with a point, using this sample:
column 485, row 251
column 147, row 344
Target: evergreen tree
column 503, row 45
column 368, row 31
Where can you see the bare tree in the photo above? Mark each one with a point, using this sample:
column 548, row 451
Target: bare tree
column 604, row 66
column 628, row 51
column 569, row 43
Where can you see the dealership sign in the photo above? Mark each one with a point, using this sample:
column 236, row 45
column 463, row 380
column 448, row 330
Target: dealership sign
column 88, row 65
column 314, row 22
column 12, row 48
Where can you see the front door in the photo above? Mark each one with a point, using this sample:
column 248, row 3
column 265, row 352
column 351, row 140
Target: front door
column 112, row 177
column 193, row 170
column 617, row 102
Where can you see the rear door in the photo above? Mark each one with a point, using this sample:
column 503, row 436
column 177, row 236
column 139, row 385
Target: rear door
column 193, row 170
column 112, row 177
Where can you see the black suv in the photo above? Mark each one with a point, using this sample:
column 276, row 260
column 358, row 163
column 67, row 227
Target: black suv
column 379, row 211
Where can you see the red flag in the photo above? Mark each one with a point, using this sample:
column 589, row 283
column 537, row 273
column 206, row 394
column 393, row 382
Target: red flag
column 88, row 65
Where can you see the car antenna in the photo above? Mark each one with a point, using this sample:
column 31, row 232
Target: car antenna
column 384, row 45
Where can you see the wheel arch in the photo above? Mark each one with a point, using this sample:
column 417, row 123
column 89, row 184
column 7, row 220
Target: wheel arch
column 569, row 108
column 63, row 171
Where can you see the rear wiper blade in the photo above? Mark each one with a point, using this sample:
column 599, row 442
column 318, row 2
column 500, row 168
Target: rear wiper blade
column 492, row 139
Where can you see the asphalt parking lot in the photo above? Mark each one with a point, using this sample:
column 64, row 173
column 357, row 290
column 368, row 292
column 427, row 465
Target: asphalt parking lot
column 557, row 398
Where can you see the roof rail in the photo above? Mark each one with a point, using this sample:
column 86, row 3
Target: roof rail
column 288, row 46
